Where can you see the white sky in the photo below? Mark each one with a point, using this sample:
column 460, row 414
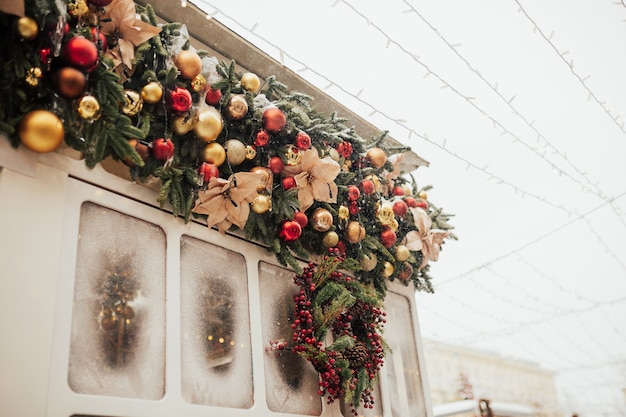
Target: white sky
column 518, row 106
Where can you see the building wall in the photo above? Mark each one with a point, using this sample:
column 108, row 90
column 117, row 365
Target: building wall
column 490, row 376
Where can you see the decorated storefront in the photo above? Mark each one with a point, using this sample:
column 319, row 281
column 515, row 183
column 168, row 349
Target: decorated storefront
column 190, row 228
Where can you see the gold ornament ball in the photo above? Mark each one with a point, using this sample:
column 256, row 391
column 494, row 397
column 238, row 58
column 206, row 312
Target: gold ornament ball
column 152, row 92
column 198, row 84
column 368, row 262
column 27, row 28
column 355, row 232
column 262, row 204
column 188, row 63
column 267, row 178
column 41, row 131
column 422, row 194
column 250, row 82
column 88, row 108
column 182, row 125
column 388, row 269
column 376, row 181
column 208, row 124
column 402, row 253
column 250, row 152
column 321, row 219
column 235, row 151
column 343, row 213
column 132, row 103
column 214, row 153
column 376, row 157
column 237, row 107
column 330, row 239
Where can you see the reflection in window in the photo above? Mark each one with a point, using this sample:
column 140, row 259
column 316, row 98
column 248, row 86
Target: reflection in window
column 401, row 366
column 117, row 344
column 216, row 353
column 290, row 381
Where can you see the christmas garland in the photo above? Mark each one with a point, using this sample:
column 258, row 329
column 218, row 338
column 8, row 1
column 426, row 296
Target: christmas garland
column 104, row 78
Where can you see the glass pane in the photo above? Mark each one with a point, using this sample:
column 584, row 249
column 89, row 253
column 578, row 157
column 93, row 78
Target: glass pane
column 402, row 368
column 291, row 381
column 216, row 352
column 117, row 342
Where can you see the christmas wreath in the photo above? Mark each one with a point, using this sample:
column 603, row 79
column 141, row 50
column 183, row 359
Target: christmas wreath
column 104, row 78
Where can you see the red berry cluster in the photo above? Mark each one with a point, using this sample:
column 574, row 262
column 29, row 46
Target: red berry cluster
column 362, row 322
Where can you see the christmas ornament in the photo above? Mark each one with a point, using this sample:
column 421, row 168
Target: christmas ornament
column 343, row 213
column 288, row 183
column 41, row 131
column 367, row 186
column 421, row 203
column 406, row 272
column 250, row 152
column 345, row 149
column 303, row 141
column 334, row 155
column 385, row 215
column 353, row 193
column 290, row 230
column 250, row 82
column 208, row 171
column 80, row 52
column 142, row 149
column 423, row 195
column 387, row 269
column 388, row 238
column 261, row 139
column 261, row 204
column 276, row 165
column 213, row 97
column 69, row 82
column 293, row 156
column 188, row 63
column 214, row 153
column 330, row 239
column 267, row 178
column 235, row 151
column 27, row 28
column 162, row 149
column 77, row 8
column 402, row 253
column 99, row 39
column 132, row 103
column 33, row 76
column 301, row 218
column 410, row 201
column 180, row 100
column 368, row 262
column 274, row 120
column 198, row 84
column 400, row 208
column 152, row 92
column 376, row 157
column 321, row 219
column 237, row 107
column 208, row 124
column 183, row 124
column 88, row 108
column 355, row 232
column 398, row 191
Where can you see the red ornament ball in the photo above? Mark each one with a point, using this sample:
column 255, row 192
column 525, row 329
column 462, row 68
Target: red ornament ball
column 276, row 165
column 208, row 171
column 262, row 138
column 290, row 230
column 99, row 38
column 274, row 120
column 303, row 141
column 353, row 193
column 288, row 183
column 81, row 52
column 213, row 97
column 180, row 100
column 400, row 208
column 368, row 186
column 411, row 202
column 301, row 218
column 399, row 191
column 162, row 149
column 421, row 203
column 388, row 238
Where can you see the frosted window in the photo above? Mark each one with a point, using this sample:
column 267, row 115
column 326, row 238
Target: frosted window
column 215, row 324
column 117, row 344
column 291, row 381
column 403, row 372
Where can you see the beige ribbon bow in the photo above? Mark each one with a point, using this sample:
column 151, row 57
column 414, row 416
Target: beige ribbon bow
column 424, row 239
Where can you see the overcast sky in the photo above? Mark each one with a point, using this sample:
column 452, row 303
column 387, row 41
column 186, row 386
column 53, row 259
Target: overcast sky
column 519, row 107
